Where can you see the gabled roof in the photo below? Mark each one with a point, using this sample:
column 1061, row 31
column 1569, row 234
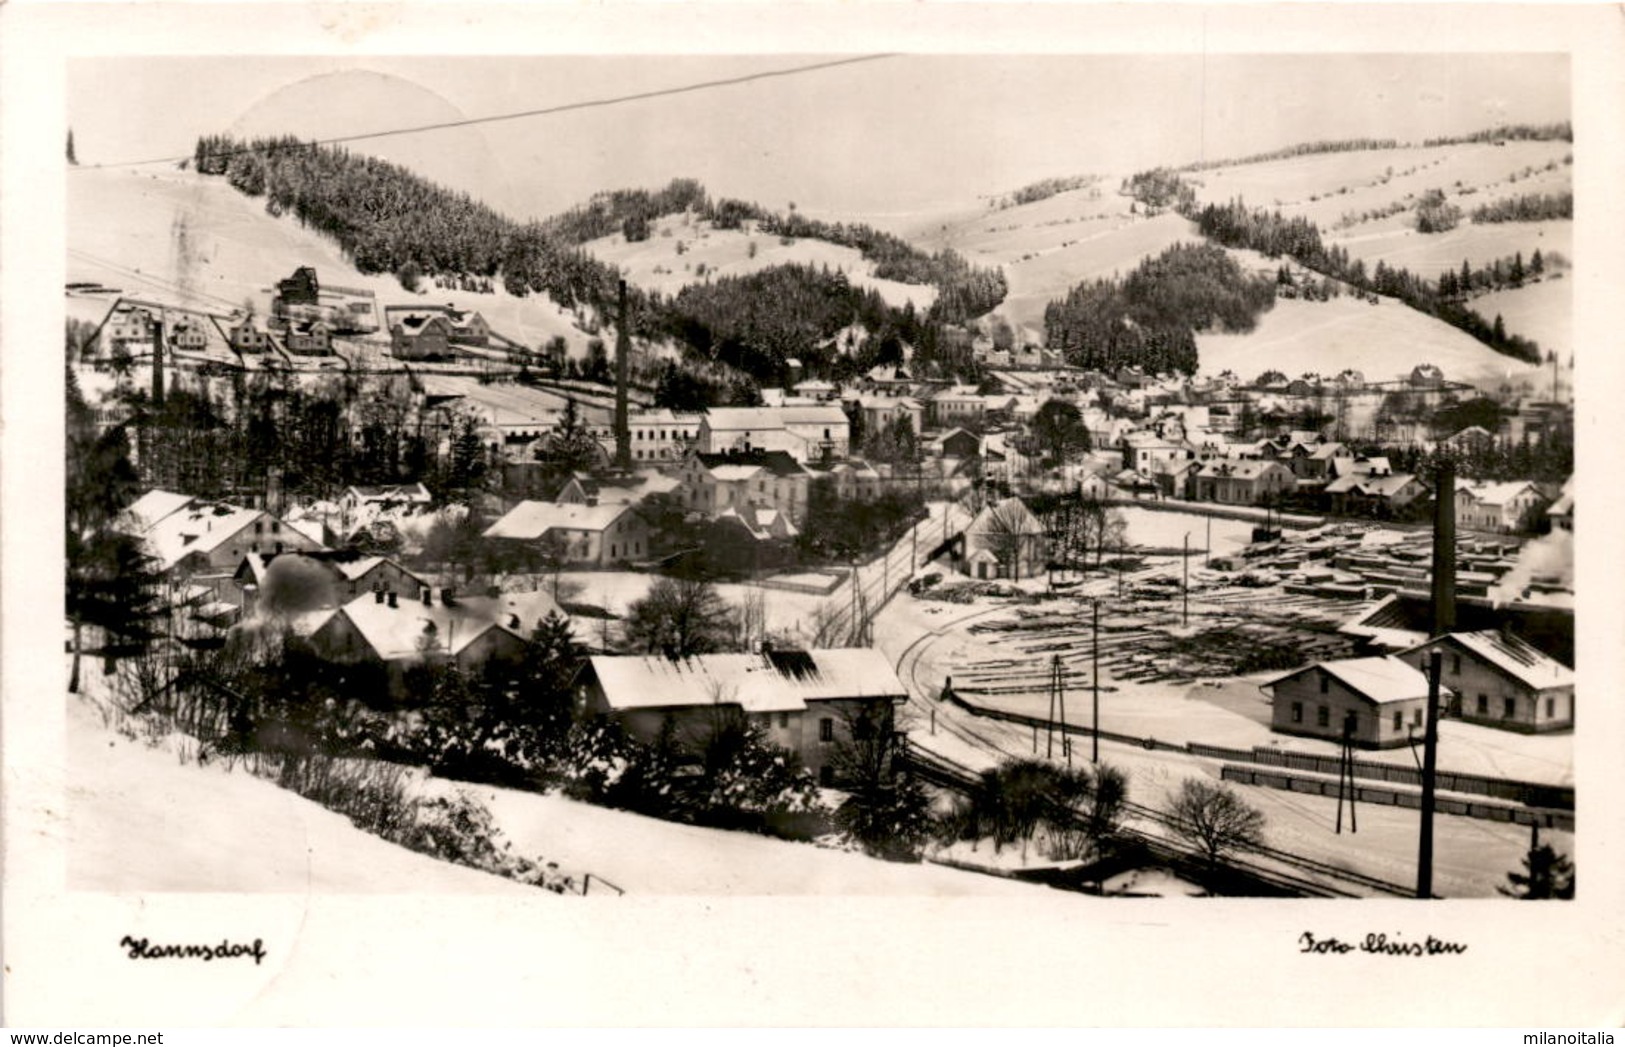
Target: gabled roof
column 772, row 682
column 141, row 514
column 1238, row 468
column 1378, row 486
column 1511, row 655
column 744, row 465
column 530, row 520
column 397, row 632
column 1494, row 494
column 1379, row 679
column 198, row 528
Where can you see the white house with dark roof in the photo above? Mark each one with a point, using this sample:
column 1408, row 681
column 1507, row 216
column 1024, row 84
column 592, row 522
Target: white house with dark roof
column 1501, row 680
column 187, row 536
column 809, row 702
column 1381, row 701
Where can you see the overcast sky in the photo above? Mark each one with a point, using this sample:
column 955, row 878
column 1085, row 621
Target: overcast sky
column 881, row 137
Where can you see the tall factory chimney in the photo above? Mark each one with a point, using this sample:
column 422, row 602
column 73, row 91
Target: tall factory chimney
column 623, row 353
column 1444, row 620
column 1444, row 549
column 158, row 362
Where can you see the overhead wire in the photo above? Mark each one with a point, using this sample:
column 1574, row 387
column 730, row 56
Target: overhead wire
column 596, row 103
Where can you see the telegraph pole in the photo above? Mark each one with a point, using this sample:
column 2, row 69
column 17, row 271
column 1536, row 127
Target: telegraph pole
column 1444, row 620
column 1185, row 581
column 1094, row 683
column 1430, row 757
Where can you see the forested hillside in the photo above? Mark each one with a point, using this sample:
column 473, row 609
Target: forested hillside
column 387, row 219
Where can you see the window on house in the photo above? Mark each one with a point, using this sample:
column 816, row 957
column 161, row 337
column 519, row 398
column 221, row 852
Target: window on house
column 1416, row 717
column 1551, row 708
column 259, row 527
column 1325, row 683
column 1483, row 705
column 1509, row 708
column 1323, row 717
column 276, row 526
column 826, row 730
column 1297, row 712
column 1455, row 665
column 1399, row 720
column 784, row 719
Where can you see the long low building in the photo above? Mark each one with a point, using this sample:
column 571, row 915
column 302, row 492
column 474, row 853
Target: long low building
column 810, row 702
column 1381, row 702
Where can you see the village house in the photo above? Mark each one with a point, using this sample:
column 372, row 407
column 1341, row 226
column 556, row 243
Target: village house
column 809, row 702
column 807, row 433
column 1144, row 449
column 1369, row 487
column 188, row 333
column 302, row 288
column 662, row 435
column 385, row 495
column 1472, row 438
column 348, row 575
column 854, row 479
column 1380, row 701
column 420, row 336
column 1501, row 680
column 816, row 389
column 247, row 336
column 189, row 537
column 956, row 406
column 748, row 540
column 308, row 338
column 467, row 327
column 1426, row 376
column 1243, row 482
column 402, row 630
column 127, row 324
column 714, row 483
column 1005, row 540
column 595, row 534
column 1501, row 507
column 1561, row 512
column 955, row 443
column 878, row 412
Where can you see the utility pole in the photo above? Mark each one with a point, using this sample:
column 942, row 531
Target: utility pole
column 1430, row 758
column 1185, row 581
column 1094, row 683
column 1208, row 550
column 1345, row 772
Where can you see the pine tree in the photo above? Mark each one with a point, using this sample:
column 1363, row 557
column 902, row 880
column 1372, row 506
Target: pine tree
column 73, row 157
column 1546, row 874
column 1537, row 264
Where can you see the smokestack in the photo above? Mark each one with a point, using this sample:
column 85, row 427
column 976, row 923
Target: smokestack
column 391, row 596
column 1444, row 549
column 623, row 353
column 158, row 362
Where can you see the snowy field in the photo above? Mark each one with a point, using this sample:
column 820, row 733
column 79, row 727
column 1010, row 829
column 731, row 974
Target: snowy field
column 1543, row 311
column 1429, row 254
column 656, row 265
column 1154, row 529
column 1384, row 341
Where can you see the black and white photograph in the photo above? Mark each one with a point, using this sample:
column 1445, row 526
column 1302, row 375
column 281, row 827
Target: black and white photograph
column 1099, row 485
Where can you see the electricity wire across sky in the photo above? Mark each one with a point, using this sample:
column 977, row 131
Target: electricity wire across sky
column 596, row 103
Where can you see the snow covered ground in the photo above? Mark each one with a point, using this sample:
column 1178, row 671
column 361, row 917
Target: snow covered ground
column 139, row 819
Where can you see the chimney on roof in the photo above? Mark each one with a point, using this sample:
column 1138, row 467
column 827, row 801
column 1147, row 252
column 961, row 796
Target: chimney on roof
column 513, row 622
column 391, row 595
column 378, row 596
column 427, row 595
column 592, row 500
column 448, row 595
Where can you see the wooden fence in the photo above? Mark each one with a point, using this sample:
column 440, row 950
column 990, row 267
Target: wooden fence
column 1389, row 797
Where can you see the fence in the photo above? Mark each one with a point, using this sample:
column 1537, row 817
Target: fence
column 1535, row 794
column 1378, row 794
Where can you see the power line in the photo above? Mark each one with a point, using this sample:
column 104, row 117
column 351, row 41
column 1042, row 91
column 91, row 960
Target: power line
column 597, row 103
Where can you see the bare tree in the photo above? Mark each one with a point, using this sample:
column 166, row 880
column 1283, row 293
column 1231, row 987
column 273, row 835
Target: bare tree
column 679, row 617
column 1215, row 819
column 1009, row 531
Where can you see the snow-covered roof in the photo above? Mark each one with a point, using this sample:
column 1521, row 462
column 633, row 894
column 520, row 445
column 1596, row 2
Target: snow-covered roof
column 529, row 520
column 197, row 529
column 1360, row 483
column 1510, row 654
column 1381, row 679
column 1494, row 494
column 397, row 632
column 777, row 681
column 1239, row 468
column 152, row 507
